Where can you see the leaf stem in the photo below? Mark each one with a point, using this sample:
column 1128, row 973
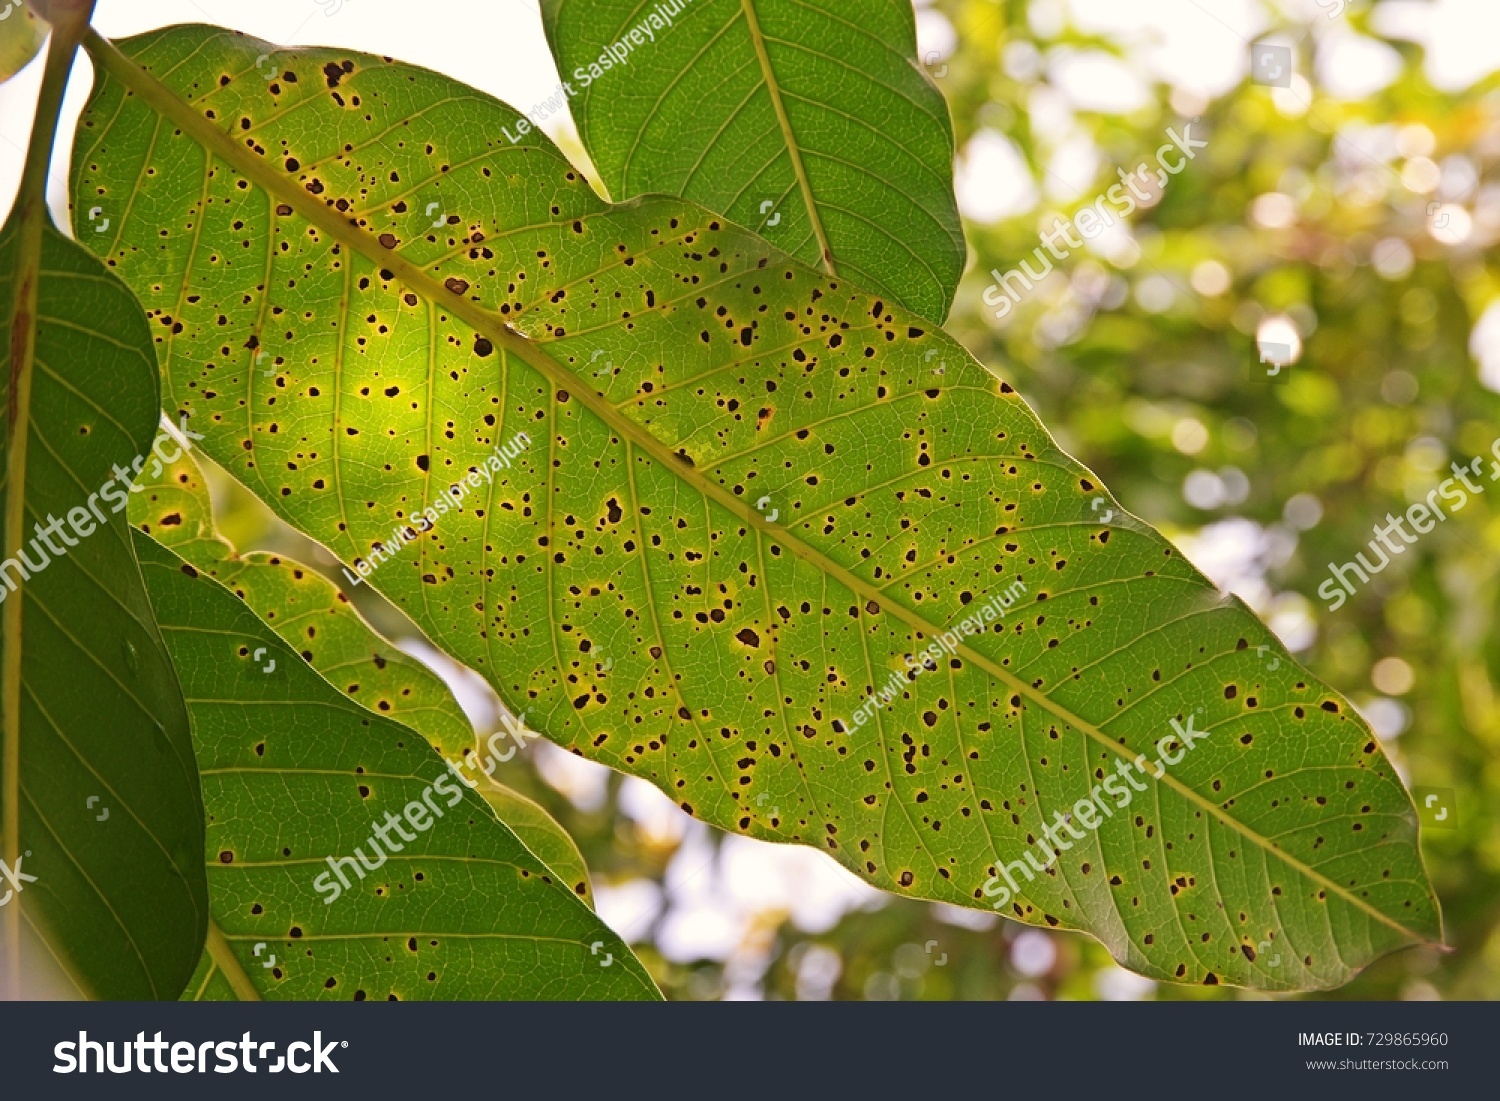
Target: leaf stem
column 223, row 955
column 70, row 21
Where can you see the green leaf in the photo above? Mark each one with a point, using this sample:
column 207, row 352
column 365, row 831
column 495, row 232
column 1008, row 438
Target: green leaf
column 120, row 903
column 21, row 37
column 99, row 802
column 305, row 609
column 543, row 835
column 745, row 496
column 309, row 613
column 295, row 777
column 807, row 120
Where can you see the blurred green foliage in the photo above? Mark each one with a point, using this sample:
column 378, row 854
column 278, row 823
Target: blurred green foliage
column 1385, row 395
column 1149, row 372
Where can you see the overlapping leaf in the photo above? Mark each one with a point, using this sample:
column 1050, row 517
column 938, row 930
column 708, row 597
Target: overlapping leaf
column 102, row 890
column 808, row 120
column 309, row 613
column 529, row 820
column 304, row 608
column 432, row 896
column 688, row 503
column 21, row 36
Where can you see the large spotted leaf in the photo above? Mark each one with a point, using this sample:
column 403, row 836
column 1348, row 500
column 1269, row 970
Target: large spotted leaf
column 687, row 501
column 345, row 859
column 311, row 614
column 807, row 120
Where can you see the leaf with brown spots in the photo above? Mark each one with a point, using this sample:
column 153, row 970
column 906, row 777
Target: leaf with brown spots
column 433, row 896
column 310, row 614
column 599, row 524
column 21, row 37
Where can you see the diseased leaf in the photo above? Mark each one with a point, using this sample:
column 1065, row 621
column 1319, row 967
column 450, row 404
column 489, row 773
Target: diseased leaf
column 807, row 120
column 21, row 37
column 689, row 503
column 101, row 891
column 542, row 834
column 305, row 609
column 309, row 613
column 432, row 896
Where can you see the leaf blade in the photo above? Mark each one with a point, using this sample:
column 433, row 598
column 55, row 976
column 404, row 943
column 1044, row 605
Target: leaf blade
column 804, row 120
column 109, row 816
column 310, row 614
column 293, row 770
column 21, row 38
column 654, row 470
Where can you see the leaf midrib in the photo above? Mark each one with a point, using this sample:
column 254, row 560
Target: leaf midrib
column 31, row 220
column 794, row 149
column 227, row 962
column 157, row 95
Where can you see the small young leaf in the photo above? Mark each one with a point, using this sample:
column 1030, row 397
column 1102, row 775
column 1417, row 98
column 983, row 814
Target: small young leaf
column 304, row 608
